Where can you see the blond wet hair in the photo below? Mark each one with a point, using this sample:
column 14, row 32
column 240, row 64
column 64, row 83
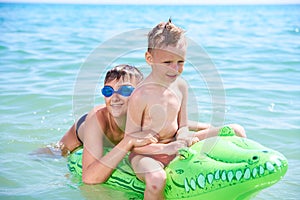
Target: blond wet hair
column 166, row 34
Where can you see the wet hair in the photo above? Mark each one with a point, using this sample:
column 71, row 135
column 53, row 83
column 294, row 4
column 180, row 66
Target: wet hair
column 126, row 72
column 166, row 34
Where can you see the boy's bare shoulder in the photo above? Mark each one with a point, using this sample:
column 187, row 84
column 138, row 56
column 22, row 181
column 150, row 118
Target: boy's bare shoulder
column 98, row 113
column 182, row 84
column 145, row 89
column 144, row 94
column 98, row 109
column 138, row 95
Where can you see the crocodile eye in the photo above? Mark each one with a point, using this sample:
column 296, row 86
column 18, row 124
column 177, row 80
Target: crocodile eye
column 254, row 157
column 265, row 151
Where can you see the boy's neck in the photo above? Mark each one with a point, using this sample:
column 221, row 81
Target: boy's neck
column 121, row 122
column 157, row 80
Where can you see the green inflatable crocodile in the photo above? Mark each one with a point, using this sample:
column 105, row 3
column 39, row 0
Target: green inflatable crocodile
column 223, row 167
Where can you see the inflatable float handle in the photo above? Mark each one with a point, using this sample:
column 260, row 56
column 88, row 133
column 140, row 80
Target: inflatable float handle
column 226, row 131
column 185, row 153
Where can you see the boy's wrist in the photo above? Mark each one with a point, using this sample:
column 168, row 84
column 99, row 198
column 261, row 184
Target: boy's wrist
column 183, row 141
column 126, row 143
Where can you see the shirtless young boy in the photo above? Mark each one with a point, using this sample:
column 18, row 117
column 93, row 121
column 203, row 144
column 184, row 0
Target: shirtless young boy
column 159, row 104
column 104, row 126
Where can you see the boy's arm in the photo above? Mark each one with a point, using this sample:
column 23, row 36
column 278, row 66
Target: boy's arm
column 183, row 131
column 197, row 126
column 160, row 148
column 135, row 110
column 97, row 168
column 183, row 114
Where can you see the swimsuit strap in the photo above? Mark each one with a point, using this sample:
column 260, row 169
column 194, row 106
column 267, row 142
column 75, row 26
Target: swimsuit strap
column 80, row 121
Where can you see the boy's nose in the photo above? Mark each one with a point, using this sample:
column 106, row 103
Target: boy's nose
column 177, row 68
column 115, row 97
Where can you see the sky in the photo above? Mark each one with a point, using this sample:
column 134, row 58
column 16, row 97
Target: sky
column 170, row 2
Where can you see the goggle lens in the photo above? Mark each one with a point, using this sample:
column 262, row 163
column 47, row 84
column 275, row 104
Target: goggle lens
column 124, row 90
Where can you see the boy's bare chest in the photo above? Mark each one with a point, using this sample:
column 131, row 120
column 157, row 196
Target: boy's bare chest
column 163, row 104
column 162, row 113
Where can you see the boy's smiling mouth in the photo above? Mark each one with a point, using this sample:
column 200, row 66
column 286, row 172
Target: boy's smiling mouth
column 116, row 104
column 172, row 75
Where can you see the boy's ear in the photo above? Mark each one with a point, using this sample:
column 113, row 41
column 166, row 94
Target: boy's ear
column 148, row 58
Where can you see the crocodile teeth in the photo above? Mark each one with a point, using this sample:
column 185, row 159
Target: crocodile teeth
column 201, row 181
column 223, row 176
column 230, row 176
column 186, row 185
column 254, row 172
column 270, row 167
column 210, row 178
column 261, row 170
column 247, row 174
column 238, row 175
column 277, row 162
column 193, row 184
column 217, row 175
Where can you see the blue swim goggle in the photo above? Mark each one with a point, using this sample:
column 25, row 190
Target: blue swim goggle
column 124, row 90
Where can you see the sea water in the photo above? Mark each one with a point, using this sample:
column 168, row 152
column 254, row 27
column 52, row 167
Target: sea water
column 253, row 53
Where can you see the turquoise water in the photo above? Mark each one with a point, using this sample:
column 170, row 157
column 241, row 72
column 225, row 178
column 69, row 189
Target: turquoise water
column 44, row 50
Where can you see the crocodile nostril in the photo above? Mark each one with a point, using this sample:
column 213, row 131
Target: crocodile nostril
column 254, row 157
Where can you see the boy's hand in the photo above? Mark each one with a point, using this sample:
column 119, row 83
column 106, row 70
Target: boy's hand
column 173, row 147
column 139, row 139
column 160, row 148
column 187, row 136
column 189, row 141
column 192, row 141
